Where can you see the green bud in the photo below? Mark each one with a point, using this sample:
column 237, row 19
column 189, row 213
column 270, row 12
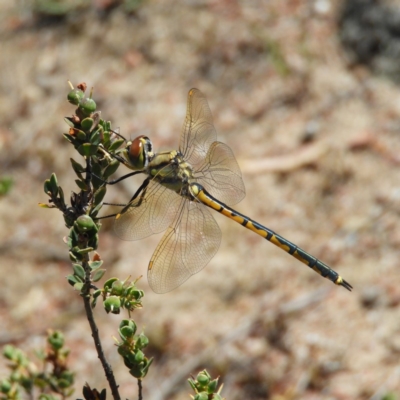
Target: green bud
column 127, row 332
column 75, row 96
column 142, row 341
column 68, row 376
column 87, row 106
column 56, row 340
column 9, row 352
column 136, row 371
column 112, row 304
column 84, row 223
column 212, row 386
column 201, row 396
column 135, row 293
column 128, row 323
column 109, row 283
column 117, row 287
column 139, row 356
column 63, row 384
column 203, row 378
column 5, row 386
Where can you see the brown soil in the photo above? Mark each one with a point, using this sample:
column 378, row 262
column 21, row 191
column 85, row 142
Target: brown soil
column 318, row 144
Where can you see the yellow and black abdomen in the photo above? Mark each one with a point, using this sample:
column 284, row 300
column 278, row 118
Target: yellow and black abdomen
column 318, row 266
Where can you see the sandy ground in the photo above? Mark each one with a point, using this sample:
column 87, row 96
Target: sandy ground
column 318, row 144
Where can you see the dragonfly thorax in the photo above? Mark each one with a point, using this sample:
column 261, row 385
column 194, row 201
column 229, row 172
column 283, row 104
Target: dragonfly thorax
column 172, row 171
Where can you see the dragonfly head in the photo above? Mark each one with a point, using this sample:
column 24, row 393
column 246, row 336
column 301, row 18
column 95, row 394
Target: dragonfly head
column 138, row 152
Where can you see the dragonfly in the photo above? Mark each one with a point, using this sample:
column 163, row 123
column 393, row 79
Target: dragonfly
column 180, row 188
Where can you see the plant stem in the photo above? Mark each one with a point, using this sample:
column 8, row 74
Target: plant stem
column 139, row 381
column 95, row 332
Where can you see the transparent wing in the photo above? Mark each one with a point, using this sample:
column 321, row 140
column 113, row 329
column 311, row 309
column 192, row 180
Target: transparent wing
column 220, row 174
column 185, row 249
column 152, row 214
column 198, row 131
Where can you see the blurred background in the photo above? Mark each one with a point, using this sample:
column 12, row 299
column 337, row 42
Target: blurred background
column 306, row 94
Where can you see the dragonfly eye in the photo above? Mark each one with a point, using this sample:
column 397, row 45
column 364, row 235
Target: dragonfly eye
column 139, row 152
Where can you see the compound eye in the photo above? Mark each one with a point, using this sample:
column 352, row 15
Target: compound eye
column 138, row 152
column 136, row 148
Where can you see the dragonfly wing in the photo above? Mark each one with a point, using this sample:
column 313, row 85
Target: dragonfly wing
column 198, row 130
column 185, row 249
column 220, row 174
column 148, row 215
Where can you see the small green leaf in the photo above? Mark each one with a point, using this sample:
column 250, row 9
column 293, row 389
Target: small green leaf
column 212, row 386
column 85, row 251
column 53, row 183
column 61, row 194
column 70, row 138
column 96, row 175
column 96, row 120
column 98, row 274
column 87, row 149
column 82, row 185
column 72, row 279
column 95, row 265
column 78, row 168
column 94, row 241
column 99, row 195
column 87, row 123
column 109, row 283
column 47, row 186
column 69, row 122
column 95, row 211
column 5, row 185
column 111, row 168
column 78, row 286
column 93, row 303
column 106, row 139
column 79, row 270
column 95, row 137
column 145, row 369
column 80, row 135
column 116, row 144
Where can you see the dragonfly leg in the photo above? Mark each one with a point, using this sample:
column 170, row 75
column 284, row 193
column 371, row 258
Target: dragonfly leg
column 142, row 190
column 113, row 182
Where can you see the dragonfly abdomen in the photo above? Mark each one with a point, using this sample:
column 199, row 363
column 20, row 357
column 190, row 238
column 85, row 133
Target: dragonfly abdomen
column 318, row 266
